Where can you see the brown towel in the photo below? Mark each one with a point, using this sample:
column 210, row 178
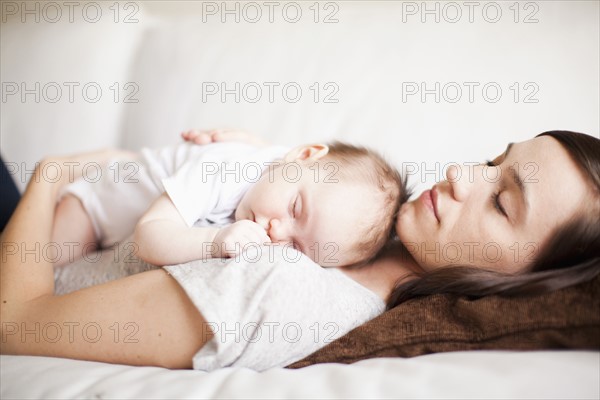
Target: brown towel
column 564, row 319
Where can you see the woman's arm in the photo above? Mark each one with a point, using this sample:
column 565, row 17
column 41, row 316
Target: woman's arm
column 145, row 319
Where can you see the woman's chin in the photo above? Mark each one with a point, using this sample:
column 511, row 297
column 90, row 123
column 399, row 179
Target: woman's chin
column 414, row 226
column 405, row 220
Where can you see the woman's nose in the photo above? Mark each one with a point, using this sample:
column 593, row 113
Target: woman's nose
column 278, row 230
column 459, row 182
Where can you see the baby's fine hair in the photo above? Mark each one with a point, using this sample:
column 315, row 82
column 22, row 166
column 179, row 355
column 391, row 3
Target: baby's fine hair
column 365, row 166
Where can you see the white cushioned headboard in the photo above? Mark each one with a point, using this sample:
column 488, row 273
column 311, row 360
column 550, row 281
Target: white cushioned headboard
column 51, row 73
column 371, row 59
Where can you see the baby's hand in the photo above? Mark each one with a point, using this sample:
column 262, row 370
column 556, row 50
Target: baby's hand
column 202, row 137
column 230, row 240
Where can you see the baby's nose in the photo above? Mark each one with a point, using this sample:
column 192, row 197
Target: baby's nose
column 277, row 230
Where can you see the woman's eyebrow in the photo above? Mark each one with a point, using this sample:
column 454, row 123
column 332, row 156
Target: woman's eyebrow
column 510, row 145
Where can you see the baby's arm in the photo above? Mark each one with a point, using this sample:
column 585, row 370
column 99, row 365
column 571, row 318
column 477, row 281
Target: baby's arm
column 164, row 238
column 201, row 137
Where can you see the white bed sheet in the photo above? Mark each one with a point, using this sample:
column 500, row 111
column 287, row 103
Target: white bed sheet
column 475, row 374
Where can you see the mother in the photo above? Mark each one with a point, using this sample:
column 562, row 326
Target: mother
column 536, row 228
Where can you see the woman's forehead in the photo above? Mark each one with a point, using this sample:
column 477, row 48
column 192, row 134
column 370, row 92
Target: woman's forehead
column 539, row 144
column 546, row 154
column 556, row 187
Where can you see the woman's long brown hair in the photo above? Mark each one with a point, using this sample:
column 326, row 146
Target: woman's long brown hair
column 571, row 256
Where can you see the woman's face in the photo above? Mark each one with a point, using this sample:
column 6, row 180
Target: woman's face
column 496, row 217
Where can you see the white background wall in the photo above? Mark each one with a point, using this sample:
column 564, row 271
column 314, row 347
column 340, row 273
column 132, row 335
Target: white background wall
column 372, row 55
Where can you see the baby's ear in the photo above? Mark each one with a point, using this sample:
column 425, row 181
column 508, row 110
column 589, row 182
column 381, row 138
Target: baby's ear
column 305, row 152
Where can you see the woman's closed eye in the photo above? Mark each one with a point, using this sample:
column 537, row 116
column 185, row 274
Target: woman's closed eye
column 495, row 199
column 497, row 205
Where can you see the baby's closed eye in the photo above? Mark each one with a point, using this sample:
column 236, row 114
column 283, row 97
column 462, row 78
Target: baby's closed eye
column 297, row 207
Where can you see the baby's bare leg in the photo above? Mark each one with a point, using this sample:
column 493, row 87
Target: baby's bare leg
column 73, row 231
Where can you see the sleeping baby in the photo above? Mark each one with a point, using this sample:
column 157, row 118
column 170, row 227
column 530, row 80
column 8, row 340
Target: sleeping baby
column 334, row 202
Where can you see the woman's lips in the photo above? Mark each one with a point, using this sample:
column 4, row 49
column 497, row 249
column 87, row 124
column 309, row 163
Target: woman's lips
column 429, row 199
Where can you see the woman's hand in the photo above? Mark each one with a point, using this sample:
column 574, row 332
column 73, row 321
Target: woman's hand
column 202, row 137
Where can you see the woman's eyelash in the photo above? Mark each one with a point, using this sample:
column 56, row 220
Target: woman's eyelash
column 496, row 203
column 489, row 163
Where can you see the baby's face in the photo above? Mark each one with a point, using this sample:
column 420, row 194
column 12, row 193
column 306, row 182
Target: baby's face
column 308, row 207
